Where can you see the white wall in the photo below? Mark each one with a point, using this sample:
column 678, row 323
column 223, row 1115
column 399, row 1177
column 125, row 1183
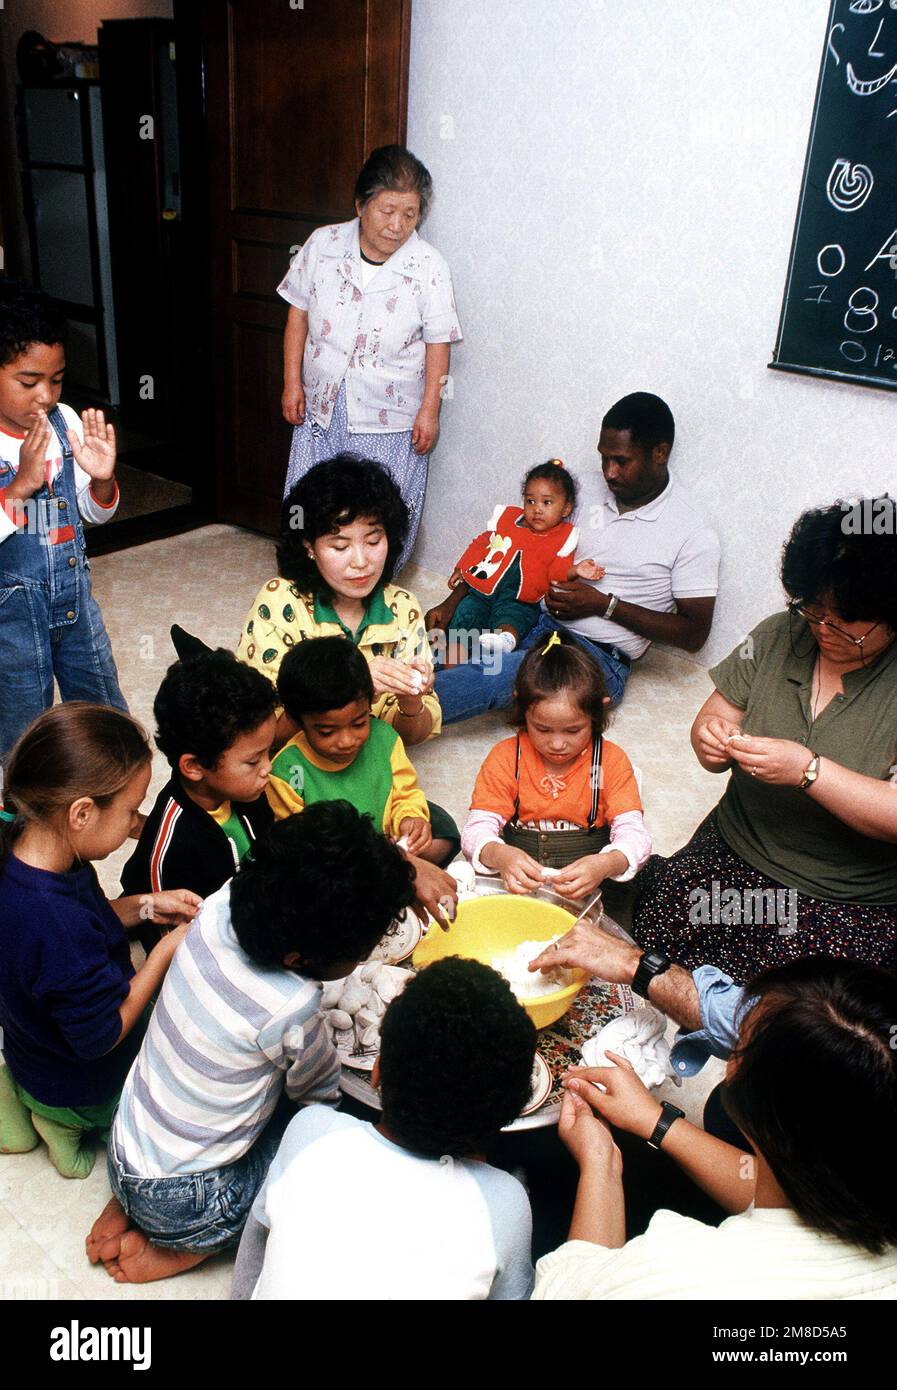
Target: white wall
column 616, row 184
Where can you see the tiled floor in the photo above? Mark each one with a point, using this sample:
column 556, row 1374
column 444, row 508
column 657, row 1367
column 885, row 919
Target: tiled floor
column 205, row 581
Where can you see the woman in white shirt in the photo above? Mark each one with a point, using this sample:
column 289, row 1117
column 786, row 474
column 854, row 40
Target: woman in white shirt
column 813, row 1084
column 367, row 342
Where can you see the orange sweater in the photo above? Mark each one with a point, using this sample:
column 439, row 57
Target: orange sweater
column 543, row 796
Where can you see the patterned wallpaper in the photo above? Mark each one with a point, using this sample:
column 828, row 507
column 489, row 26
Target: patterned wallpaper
column 616, row 185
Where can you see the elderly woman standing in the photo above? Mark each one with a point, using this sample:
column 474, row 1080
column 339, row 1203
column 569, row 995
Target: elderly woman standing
column 367, row 342
column 800, row 855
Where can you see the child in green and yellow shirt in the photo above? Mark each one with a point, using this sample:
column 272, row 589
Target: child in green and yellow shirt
column 342, row 753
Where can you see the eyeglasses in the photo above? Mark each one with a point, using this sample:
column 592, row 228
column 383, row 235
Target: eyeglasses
column 815, row 620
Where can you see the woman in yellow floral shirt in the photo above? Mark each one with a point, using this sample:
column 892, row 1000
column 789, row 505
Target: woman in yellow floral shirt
column 344, row 526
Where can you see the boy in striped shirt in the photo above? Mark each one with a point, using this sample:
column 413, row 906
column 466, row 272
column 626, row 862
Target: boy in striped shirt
column 237, row 1023
column 215, row 724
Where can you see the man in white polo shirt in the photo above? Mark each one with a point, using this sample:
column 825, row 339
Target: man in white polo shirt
column 660, row 556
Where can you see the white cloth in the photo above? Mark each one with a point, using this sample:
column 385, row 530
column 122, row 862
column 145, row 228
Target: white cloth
column 637, row 1036
column 764, row 1255
column 653, row 555
column 372, row 335
column 90, row 509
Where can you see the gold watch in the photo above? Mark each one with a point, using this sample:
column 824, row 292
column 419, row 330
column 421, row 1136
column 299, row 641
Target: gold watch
column 811, row 772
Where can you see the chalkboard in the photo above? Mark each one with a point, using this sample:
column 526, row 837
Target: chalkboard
column 839, row 315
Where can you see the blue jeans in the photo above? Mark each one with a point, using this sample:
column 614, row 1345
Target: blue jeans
column 472, row 689
column 199, row 1212
column 50, row 624
column 32, row 653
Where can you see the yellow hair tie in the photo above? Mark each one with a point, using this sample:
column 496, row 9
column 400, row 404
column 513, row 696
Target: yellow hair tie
column 553, row 641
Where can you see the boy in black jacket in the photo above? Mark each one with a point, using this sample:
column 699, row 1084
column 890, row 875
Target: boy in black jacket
column 215, row 724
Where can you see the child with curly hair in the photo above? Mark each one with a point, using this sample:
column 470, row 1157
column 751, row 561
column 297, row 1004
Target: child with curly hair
column 455, row 1063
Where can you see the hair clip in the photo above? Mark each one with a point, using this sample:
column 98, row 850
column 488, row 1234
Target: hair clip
column 8, row 815
column 558, row 463
column 553, row 641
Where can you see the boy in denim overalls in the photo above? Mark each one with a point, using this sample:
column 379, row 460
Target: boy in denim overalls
column 50, row 477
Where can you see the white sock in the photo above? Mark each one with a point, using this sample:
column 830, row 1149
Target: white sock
column 497, row 641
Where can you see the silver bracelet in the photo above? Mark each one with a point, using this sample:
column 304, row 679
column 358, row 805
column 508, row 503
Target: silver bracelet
column 609, row 610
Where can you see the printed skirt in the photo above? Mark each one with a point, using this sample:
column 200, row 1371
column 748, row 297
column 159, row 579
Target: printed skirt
column 312, row 444
column 706, row 906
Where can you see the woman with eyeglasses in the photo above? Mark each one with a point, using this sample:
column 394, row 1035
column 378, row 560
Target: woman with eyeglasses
column 799, row 857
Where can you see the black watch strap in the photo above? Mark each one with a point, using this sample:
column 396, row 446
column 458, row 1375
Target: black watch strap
column 651, row 964
column 669, row 1113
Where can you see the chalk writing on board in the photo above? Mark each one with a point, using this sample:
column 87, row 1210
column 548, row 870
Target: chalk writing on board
column 839, row 311
column 871, row 85
column 872, row 51
column 832, row 49
column 849, row 185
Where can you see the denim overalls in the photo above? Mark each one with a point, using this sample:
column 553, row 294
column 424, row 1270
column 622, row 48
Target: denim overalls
column 50, row 625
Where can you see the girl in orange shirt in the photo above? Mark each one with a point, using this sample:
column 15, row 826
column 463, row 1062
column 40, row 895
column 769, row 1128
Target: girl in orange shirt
column 558, row 796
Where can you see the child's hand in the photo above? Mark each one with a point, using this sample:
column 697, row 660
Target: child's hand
column 97, row 454
column 519, row 871
column 626, row 1102
column 292, row 404
column 165, row 948
column 586, row 1136
column 416, row 833
column 455, row 578
column 582, row 877
column 587, row 569
column 32, row 469
column 171, row 908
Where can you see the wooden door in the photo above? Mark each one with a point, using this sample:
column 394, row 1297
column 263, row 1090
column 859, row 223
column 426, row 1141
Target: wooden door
column 298, row 94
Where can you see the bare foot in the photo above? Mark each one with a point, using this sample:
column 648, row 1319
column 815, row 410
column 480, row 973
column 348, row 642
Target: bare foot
column 106, row 1232
column 141, row 1262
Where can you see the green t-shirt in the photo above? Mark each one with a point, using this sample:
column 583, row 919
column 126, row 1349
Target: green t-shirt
column 780, row 830
column 233, row 828
column 366, row 783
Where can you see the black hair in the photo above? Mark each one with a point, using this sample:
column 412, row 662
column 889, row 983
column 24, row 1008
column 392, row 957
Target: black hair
column 564, row 668
column 27, row 316
column 323, row 673
column 832, row 555
column 456, row 1059
column 335, row 493
column 204, row 704
column 394, row 168
column 323, row 883
column 648, row 419
column 553, row 472
column 815, row 1089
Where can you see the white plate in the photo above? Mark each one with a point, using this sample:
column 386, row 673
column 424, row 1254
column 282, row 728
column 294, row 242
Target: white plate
column 541, row 1085
column 401, row 941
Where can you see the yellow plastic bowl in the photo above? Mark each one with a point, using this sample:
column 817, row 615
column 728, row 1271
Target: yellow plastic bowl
column 494, row 925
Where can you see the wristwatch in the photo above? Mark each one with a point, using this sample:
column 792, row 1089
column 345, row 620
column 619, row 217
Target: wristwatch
column 652, row 963
column 669, row 1114
column 811, row 772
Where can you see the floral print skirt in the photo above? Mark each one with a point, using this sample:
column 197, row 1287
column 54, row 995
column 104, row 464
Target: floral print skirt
column 312, row 444
column 706, row 906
